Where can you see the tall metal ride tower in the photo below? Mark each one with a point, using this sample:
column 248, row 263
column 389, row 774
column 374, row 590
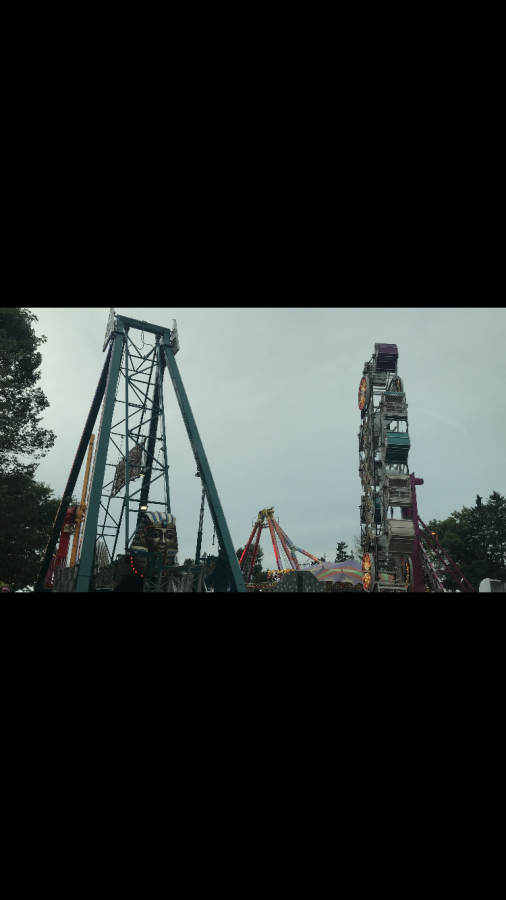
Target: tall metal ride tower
column 398, row 551
column 130, row 392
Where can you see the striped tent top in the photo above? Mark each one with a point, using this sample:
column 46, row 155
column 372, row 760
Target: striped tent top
column 350, row 570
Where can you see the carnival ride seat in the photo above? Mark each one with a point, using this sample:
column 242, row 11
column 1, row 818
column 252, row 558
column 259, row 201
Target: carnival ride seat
column 396, row 447
column 386, row 356
column 393, row 406
column 397, row 489
column 400, row 535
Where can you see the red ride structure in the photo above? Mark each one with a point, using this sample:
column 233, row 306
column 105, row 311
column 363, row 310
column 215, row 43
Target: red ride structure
column 284, row 548
column 59, row 559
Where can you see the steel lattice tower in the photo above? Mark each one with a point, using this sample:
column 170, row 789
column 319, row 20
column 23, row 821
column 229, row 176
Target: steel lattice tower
column 130, row 392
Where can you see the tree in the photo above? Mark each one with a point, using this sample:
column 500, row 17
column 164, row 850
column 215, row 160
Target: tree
column 342, row 552
column 20, row 401
column 475, row 539
column 189, row 562
column 28, row 509
column 496, row 511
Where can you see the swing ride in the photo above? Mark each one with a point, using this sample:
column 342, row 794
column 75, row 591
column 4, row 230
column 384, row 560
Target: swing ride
column 120, row 542
column 284, row 548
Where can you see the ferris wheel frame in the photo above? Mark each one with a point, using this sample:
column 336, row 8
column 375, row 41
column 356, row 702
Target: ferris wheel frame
column 384, row 445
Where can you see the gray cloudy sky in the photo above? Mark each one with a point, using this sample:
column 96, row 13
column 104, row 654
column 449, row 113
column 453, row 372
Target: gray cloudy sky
column 274, row 394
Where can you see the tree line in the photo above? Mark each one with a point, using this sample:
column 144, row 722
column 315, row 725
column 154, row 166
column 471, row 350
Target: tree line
column 28, row 507
column 475, row 538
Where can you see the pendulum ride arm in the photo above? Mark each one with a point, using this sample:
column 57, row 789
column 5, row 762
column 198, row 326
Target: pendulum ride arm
column 291, row 545
column 244, row 552
column 282, row 539
column 248, row 556
column 253, row 558
column 226, row 548
column 273, row 538
column 315, row 558
column 74, row 473
column 245, row 556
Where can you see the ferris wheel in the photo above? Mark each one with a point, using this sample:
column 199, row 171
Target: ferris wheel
column 384, row 444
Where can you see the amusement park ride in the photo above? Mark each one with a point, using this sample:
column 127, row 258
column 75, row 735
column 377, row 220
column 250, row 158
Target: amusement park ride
column 116, row 516
column 284, row 548
column 396, row 551
column 121, row 544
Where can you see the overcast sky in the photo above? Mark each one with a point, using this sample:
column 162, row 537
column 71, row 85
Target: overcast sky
column 274, row 394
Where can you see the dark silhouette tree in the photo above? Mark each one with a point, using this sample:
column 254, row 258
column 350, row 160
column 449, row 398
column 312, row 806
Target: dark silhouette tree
column 21, row 402
column 342, row 552
column 27, row 508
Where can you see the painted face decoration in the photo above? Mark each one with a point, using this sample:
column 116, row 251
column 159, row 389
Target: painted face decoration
column 160, row 539
column 156, row 534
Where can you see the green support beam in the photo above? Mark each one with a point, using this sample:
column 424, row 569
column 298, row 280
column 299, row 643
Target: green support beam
column 91, row 521
column 229, row 564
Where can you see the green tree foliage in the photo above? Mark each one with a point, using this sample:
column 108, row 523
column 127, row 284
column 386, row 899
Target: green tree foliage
column 475, row 539
column 189, row 562
column 258, row 575
column 28, row 509
column 21, row 403
column 342, row 552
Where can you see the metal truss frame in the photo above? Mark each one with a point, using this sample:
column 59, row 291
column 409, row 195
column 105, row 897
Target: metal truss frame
column 122, row 352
